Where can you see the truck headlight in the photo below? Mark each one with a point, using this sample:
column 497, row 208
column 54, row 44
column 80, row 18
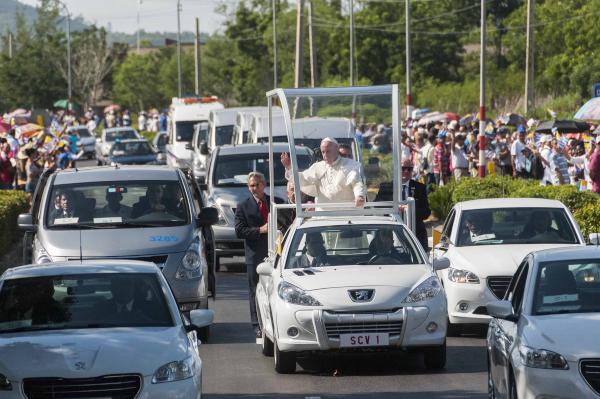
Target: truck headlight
column 42, row 256
column 292, row 294
column 542, row 359
column 462, row 276
column 192, row 264
column 424, row 291
column 175, row 371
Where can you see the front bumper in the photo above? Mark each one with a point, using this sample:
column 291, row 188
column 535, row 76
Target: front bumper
column 472, row 297
column 226, row 241
column 552, row 384
column 319, row 329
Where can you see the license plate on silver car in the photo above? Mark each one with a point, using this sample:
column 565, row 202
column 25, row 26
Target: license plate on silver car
column 361, row 340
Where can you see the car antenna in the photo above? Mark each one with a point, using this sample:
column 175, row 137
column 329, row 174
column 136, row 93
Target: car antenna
column 80, row 249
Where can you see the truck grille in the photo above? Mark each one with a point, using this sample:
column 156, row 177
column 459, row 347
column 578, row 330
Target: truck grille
column 109, row 386
column 499, row 285
column 590, row 370
column 362, row 323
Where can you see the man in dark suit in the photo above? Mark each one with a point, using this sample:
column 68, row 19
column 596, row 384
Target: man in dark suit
column 251, row 224
column 414, row 189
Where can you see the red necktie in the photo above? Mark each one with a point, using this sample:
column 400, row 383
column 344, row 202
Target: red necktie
column 264, row 212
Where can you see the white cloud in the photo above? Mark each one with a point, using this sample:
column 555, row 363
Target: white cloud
column 155, row 15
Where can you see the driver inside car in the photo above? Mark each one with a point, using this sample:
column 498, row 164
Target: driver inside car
column 316, row 254
column 382, row 250
column 152, row 202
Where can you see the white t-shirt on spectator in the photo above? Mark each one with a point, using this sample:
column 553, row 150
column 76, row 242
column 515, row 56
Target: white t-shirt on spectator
column 516, row 150
column 459, row 157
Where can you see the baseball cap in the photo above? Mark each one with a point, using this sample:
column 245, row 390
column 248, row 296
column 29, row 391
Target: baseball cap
column 521, row 129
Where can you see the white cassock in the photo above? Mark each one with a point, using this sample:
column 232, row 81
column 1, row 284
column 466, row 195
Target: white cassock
column 339, row 182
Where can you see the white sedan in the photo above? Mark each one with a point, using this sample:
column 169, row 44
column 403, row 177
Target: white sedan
column 485, row 240
column 543, row 341
column 96, row 329
column 351, row 283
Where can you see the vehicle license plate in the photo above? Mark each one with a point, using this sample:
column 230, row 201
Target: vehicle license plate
column 358, row 340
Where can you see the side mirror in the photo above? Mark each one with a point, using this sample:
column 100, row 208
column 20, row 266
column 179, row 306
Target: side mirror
column 25, row 222
column 594, row 238
column 202, row 317
column 208, row 217
column 501, row 310
column 188, row 146
column 203, row 148
column 441, row 263
column 265, row 269
column 98, row 140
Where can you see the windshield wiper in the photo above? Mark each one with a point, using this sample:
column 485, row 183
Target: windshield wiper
column 81, row 226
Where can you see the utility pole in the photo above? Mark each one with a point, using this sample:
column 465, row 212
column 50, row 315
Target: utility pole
column 275, row 80
column 197, row 70
column 299, row 41
column 10, row 45
column 529, row 58
column 351, row 42
column 179, row 90
column 482, row 163
column 313, row 50
column 409, row 106
column 138, row 26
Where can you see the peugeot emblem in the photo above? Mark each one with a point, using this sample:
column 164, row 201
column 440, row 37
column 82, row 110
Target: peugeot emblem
column 361, row 295
column 80, row 366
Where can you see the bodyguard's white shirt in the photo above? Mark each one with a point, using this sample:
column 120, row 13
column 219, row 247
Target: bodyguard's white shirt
column 339, row 182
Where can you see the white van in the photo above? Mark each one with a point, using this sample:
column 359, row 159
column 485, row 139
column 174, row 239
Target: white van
column 184, row 113
column 243, row 120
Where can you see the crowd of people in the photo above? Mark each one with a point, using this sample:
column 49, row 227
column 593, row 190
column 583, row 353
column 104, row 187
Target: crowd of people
column 447, row 151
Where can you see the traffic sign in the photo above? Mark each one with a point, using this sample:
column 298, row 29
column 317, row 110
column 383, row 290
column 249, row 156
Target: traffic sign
column 596, row 90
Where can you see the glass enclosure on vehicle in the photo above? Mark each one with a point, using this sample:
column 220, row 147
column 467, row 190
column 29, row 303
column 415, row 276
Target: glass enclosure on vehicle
column 515, row 226
column 117, row 204
column 567, row 287
column 224, row 134
column 103, row 300
column 232, row 170
column 185, row 130
column 352, row 244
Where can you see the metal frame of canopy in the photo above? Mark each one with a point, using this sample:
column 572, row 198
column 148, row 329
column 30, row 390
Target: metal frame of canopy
column 338, row 209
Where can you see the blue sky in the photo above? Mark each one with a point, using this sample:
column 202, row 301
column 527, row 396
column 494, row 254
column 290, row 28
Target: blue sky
column 155, row 15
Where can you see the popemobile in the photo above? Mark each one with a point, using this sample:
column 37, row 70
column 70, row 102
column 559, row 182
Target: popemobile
column 347, row 277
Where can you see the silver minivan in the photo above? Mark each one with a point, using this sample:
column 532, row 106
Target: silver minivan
column 147, row 213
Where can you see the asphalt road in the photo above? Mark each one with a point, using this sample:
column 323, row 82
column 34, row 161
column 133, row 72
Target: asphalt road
column 233, row 365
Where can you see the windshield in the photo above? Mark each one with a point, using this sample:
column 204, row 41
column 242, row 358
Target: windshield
column 202, row 134
column 515, row 226
column 224, row 135
column 352, row 245
column 120, row 134
column 567, row 287
column 83, row 132
column 117, row 204
column 83, row 301
column 232, row 170
column 185, row 130
column 132, row 148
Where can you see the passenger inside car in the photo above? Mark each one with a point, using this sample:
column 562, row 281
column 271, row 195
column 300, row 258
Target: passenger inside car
column 114, row 207
column 315, row 254
column 63, row 207
column 539, row 228
column 382, row 250
column 150, row 203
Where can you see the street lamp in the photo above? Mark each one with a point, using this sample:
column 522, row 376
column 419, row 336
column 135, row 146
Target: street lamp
column 179, row 90
column 69, row 87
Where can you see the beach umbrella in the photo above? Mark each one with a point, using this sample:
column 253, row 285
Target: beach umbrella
column 513, row 119
column 589, row 111
column 562, row 126
column 112, row 107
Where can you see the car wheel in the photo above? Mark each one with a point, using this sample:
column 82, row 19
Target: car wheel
column 491, row 386
column 512, row 387
column 435, row 357
column 203, row 334
column 285, row 362
column 454, row 330
column 99, row 162
column 267, row 345
column 217, row 263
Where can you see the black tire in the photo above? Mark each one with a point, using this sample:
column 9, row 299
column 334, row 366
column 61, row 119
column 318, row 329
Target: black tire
column 203, row 334
column 435, row 357
column 99, row 162
column 267, row 345
column 454, row 330
column 285, row 362
column 512, row 386
column 217, row 263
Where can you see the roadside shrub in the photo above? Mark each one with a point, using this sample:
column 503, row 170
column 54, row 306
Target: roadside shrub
column 588, row 218
column 567, row 194
column 440, row 201
column 12, row 203
column 491, row 187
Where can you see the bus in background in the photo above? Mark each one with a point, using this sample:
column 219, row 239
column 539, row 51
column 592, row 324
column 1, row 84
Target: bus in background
column 184, row 113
